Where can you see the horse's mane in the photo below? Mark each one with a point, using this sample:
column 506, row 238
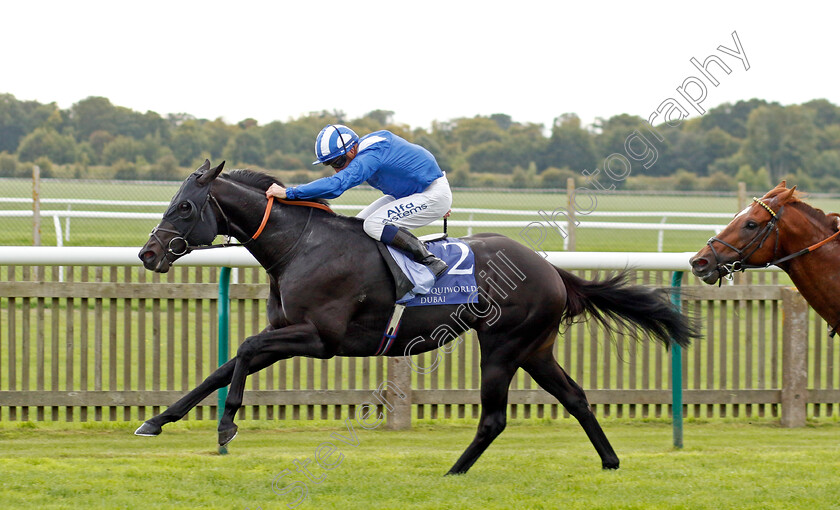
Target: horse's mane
column 830, row 219
column 259, row 181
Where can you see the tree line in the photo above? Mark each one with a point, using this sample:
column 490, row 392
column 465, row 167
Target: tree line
column 754, row 141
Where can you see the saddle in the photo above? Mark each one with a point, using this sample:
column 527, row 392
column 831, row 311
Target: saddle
column 402, row 283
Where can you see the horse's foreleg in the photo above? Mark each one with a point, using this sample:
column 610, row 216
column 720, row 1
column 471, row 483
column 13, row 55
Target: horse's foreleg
column 220, row 378
column 495, row 380
column 295, row 340
column 552, row 378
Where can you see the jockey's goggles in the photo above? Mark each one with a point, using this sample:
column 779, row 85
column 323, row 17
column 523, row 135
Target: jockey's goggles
column 338, row 162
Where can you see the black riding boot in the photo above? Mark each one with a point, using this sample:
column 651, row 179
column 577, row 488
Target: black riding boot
column 406, row 242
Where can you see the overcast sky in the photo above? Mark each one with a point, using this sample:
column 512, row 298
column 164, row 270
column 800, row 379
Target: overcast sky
column 426, row 61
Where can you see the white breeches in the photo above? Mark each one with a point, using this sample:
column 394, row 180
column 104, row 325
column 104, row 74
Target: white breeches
column 413, row 211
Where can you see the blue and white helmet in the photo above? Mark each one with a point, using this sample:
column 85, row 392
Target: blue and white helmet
column 333, row 141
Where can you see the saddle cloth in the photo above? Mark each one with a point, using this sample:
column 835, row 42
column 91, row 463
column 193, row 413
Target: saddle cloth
column 416, row 285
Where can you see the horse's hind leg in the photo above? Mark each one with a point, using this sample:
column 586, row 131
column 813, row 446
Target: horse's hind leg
column 550, row 375
column 495, row 380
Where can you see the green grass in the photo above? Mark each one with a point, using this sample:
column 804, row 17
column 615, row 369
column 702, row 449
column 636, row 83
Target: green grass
column 725, row 464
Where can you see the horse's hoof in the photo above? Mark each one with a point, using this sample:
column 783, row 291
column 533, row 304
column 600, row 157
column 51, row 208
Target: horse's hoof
column 610, row 465
column 148, row 430
column 226, row 436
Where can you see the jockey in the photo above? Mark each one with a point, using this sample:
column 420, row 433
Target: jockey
column 416, row 190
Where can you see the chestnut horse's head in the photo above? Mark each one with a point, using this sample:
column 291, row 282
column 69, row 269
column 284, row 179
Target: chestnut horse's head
column 750, row 240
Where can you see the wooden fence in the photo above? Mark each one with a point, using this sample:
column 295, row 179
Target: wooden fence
column 82, row 343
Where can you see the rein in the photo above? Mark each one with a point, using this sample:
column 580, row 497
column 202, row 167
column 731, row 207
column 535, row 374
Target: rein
column 264, row 219
column 741, row 265
column 305, row 203
column 227, row 243
column 189, row 248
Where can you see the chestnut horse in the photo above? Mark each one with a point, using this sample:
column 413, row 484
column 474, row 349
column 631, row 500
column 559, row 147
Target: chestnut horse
column 781, row 230
column 331, row 293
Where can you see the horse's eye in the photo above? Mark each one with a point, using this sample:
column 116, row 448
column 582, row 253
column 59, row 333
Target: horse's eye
column 184, row 208
column 750, row 225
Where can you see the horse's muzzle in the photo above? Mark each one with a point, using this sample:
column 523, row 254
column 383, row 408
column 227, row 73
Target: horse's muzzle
column 708, row 271
column 154, row 257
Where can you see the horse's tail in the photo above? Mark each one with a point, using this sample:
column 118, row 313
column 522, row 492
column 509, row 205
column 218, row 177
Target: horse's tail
column 614, row 301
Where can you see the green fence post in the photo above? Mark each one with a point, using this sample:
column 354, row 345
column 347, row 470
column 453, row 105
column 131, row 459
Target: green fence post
column 224, row 335
column 676, row 369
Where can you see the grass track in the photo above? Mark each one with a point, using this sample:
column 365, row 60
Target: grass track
column 734, row 464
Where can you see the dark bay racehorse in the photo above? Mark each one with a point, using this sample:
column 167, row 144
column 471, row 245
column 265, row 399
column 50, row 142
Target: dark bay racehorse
column 331, row 294
column 779, row 229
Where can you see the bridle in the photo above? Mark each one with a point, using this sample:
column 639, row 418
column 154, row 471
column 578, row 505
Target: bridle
column 756, row 243
column 759, row 240
column 176, row 251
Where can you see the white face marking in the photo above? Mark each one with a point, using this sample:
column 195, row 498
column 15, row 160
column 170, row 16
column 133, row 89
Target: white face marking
column 743, row 212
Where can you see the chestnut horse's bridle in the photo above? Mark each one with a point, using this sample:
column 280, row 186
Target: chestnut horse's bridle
column 759, row 240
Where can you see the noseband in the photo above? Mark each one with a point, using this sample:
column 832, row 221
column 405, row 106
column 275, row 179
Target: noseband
column 756, row 243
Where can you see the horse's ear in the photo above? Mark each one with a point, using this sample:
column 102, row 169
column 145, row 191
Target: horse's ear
column 775, row 192
column 786, row 195
column 209, row 175
column 204, row 167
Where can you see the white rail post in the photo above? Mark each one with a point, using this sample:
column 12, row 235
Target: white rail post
column 661, row 237
column 67, row 225
column 570, row 199
column 36, row 215
column 36, row 206
column 59, row 244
